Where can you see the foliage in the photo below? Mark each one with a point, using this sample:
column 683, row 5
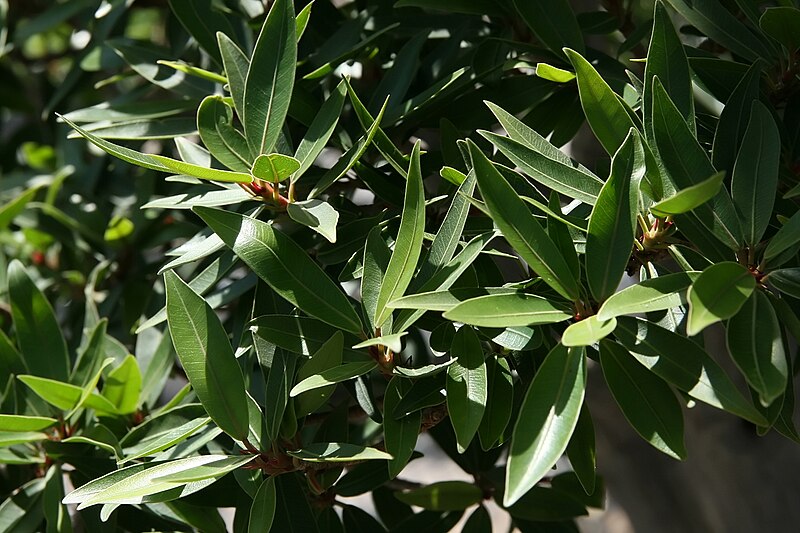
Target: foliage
column 359, row 224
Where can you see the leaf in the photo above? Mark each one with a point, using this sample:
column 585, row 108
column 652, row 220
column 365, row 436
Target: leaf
column 262, row 512
column 161, row 441
column 203, row 22
column 65, row 396
column 755, row 174
column 499, row 402
column 301, row 22
column 782, row 24
column 10, row 438
column 328, row 356
column 443, row 496
column 14, row 207
column 25, row 423
column 333, row 375
column 655, row 294
column 717, row 294
column 684, row 364
column 612, row 225
column 38, row 335
column 400, row 436
column 786, row 280
column 547, row 418
column 376, row 258
column 466, row 386
column 581, row 451
column 549, row 72
column 445, row 300
column 647, row 402
column 423, row 371
column 588, row 331
column 755, row 343
column 278, row 369
column 205, row 199
column 733, row 120
column 392, row 342
column 270, row 78
column 546, row 506
column 689, row 198
column 278, row 260
column 605, row 111
column 123, row 385
column 335, row 452
column 480, row 521
column 520, row 229
column 787, row 237
column 236, row 65
column 506, row 310
column 155, row 481
column 408, row 244
column 293, row 514
column 56, row 513
column 207, row 357
column 320, row 130
column 301, row 335
column 202, row 172
column 318, row 215
column 226, row 143
column 553, row 24
column 274, row 168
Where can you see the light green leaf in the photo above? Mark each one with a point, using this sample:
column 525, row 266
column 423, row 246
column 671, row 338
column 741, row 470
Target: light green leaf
column 270, row 78
column 588, row 331
column 207, row 357
column 549, row 72
column 14, row 207
column 123, row 385
column 274, row 168
column 336, row 452
column 65, row 396
column 755, row 343
column 647, row 402
column 318, row 215
column 321, row 128
column 236, row 65
column 332, row 376
column 278, row 260
column 684, row 364
column 521, row 229
column 443, row 496
column 408, row 244
column 328, row 356
column 655, row 294
column 214, row 198
column 25, row 423
column 754, row 183
column 376, row 258
column 466, row 386
column 717, row 294
column 445, row 300
column 38, row 334
column 161, row 441
column 547, row 418
column 202, row 172
column 690, row 197
column 392, row 342
column 553, row 23
column 612, row 225
column 506, row 310
column 262, row 512
column 194, row 71
column 226, row 143
column 10, row 438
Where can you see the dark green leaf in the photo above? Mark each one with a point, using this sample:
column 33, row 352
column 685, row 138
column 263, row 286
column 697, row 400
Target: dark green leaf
column 717, row 294
column 554, row 24
column 499, row 402
column 783, row 25
column 400, row 435
column 328, row 356
column 506, row 310
column 690, row 197
column 226, row 143
column 466, row 386
column 655, row 294
column 332, row 376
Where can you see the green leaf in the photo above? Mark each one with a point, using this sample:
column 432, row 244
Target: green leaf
column 318, row 215
column 336, row 452
column 278, row 368
column 655, row 294
column 499, row 402
column 328, row 356
column 226, row 143
column 733, row 120
column 236, row 66
column 207, row 357
column 205, row 199
column 39, row 337
column 506, row 310
column 787, row 236
column 274, row 168
column 443, row 496
column 717, row 294
column 202, row 22
column 65, row 396
column 588, row 331
column 408, row 244
column 783, row 25
column 301, row 22
column 786, row 280
column 202, row 172
column 10, row 438
column 549, row 72
column 755, row 343
column 546, row 420
column 270, row 78
column 376, row 259
column 612, row 225
column 647, row 402
column 581, row 451
column 320, row 130
column 14, row 207
column 480, row 521
column 554, row 24
column 755, row 174
column 332, row 376
column 56, row 513
column 301, row 335
column 163, row 440
column 445, row 300
column 25, row 423
column 690, row 197
column 605, row 112
column 401, row 435
column 684, row 364
column 262, row 512
column 278, row 260
column 521, row 229
column 393, row 342
column 466, row 386
column 123, row 385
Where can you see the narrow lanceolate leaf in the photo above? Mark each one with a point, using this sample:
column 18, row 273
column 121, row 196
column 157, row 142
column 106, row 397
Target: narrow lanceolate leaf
column 443, row 496
column 684, row 364
column 338, row 452
column 605, row 111
column 656, row 294
column 328, row 356
column 65, row 396
column 262, row 512
column 320, row 130
column 207, row 357
column 507, row 310
column 547, row 418
column 755, row 174
column 499, row 402
column 202, row 172
column 612, row 225
column 521, row 229
column 554, row 23
column 408, row 245
column 236, row 65
column 466, row 386
column 270, row 78
column 25, row 423
column 787, row 237
column 718, row 294
column 786, row 280
column 647, row 402
column 123, row 385
column 588, row 331
column 38, row 335
column 318, row 215
column 376, row 258
column 284, row 266
column 400, row 435
column 687, row 199
column 756, row 345
column 226, row 143
column 332, row 376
